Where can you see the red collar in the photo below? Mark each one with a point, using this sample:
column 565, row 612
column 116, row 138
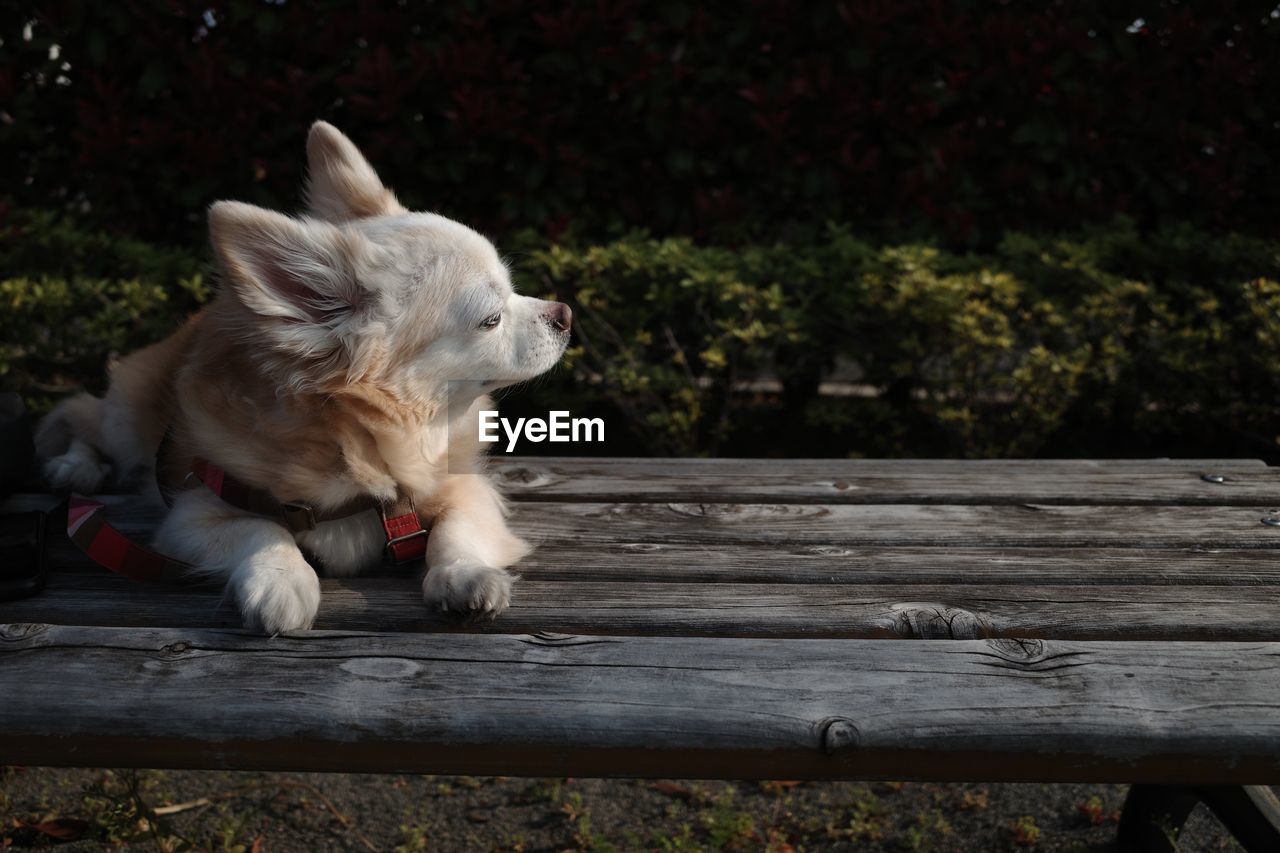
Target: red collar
column 108, row 547
column 406, row 537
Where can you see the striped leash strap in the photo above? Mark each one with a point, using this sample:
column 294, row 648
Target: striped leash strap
column 111, row 549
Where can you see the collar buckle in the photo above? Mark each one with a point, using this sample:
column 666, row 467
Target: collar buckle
column 298, row 517
column 390, row 551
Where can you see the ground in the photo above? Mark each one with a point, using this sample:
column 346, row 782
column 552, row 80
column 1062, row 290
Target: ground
column 82, row 809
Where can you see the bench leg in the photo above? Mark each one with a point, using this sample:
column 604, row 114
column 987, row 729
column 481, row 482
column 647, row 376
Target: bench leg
column 1154, row 815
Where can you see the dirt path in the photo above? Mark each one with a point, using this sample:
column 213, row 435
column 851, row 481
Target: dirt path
column 315, row 811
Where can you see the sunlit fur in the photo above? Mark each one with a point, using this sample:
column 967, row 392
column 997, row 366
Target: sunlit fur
column 346, row 354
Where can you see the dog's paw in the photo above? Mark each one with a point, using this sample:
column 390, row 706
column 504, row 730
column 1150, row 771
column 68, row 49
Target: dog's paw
column 277, row 591
column 77, row 470
column 468, row 587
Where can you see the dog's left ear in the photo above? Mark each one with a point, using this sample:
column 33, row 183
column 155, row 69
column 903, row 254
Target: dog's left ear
column 341, row 184
column 299, row 272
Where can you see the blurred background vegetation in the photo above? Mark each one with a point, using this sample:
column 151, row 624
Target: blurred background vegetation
column 789, row 229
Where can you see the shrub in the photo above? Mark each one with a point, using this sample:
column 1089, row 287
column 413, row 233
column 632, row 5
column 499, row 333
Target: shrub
column 665, row 329
column 1101, row 342
column 1098, row 343
column 706, row 119
column 70, row 300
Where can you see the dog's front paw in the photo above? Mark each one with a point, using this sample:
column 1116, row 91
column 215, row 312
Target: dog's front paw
column 277, row 591
column 468, row 587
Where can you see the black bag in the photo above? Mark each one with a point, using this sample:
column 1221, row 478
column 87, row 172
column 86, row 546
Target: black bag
column 22, row 532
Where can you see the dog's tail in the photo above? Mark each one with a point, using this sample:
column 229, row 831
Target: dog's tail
column 86, row 442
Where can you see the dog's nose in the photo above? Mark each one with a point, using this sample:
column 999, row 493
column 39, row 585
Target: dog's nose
column 560, row 316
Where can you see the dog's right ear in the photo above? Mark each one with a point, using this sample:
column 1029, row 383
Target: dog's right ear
column 298, row 271
column 341, row 184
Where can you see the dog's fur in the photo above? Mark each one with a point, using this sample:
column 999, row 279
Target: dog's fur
column 347, row 353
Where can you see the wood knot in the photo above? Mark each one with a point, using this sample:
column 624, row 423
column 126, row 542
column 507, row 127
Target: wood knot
column 745, row 512
column 175, row 650
column 840, row 734
column 22, row 630
column 840, row 485
column 827, row 551
column 549, row 638
column 521, row 475
column 1018, row 649
column 926, row 621
column 1030, row 656
column 701, row 510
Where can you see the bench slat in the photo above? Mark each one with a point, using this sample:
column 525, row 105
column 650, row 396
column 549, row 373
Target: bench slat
column 650, row 562
column 880, row 525
column 865, row 481
column 583, row 706
column 870, row 481
column 960, row 610
column 719, row 524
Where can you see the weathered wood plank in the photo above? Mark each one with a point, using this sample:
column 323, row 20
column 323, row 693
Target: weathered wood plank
column 650, row 562
column 992, row 711
column 853, row 565
column 1247, row 482
column 1026, row 525
column 879, row 525
column 958, row 610
column 868, row 481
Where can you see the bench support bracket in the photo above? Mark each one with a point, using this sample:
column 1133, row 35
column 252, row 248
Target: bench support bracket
column 1153, row 815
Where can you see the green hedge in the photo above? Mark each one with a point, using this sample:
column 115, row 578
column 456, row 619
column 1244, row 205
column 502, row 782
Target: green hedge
column 1102, row 342
column 70, row 300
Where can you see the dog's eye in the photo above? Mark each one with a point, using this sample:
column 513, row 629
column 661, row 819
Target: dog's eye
column 491, row 322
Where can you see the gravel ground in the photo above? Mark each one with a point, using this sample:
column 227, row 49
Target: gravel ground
column 83, row 809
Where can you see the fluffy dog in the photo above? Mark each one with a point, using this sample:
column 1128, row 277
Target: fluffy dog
column 345, row 356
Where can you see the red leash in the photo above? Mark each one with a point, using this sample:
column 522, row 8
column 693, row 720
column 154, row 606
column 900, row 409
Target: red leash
column 111, row 549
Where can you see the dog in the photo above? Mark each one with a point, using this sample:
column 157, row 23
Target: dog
column 344, row 358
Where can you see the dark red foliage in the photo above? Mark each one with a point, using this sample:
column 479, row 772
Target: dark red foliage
column 720, row 120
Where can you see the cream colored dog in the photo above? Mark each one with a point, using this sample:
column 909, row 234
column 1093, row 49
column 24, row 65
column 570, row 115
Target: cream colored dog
column 347, row 353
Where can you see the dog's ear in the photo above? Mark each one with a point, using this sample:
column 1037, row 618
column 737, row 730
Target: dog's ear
column 341, row 184
column 297, row 271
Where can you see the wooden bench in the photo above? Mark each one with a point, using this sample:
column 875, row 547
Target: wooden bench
column 984, row 621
